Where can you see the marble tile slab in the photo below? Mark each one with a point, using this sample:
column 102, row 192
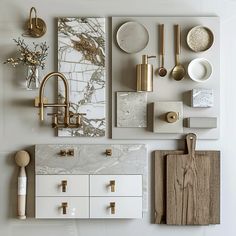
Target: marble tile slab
column 202, row 97
column 131, row 109
column 81, row 58
column 92, row 159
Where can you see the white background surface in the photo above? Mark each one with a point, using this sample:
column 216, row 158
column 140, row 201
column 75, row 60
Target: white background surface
column 19, row 126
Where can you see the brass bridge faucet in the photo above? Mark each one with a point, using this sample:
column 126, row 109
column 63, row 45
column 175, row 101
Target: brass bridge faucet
column 41, row 102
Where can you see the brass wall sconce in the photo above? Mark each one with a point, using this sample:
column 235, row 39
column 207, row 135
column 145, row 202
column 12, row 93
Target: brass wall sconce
column 67, row 115
column 35, row 27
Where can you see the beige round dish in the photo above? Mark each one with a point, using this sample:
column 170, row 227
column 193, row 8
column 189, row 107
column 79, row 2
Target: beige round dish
column 200, row 38
column 132, row 37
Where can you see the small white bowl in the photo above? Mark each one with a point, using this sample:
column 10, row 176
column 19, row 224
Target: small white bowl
column 200, row 70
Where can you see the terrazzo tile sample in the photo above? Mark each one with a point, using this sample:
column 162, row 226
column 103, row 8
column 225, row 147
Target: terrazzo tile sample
column 131, row 109
column 81, row 58
column 202, row 97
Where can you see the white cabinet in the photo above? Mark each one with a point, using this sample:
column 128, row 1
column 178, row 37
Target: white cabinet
column 62, row 185
column 62, row 207
column 88, row 196
column 116, row 207
column 115, row 185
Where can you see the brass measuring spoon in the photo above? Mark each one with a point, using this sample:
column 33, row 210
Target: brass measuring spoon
column 178, row 71
column 162, row 70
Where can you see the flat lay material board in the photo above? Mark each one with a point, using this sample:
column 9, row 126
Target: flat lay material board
column 165, row 88
column 161, row 186
column 81, row 58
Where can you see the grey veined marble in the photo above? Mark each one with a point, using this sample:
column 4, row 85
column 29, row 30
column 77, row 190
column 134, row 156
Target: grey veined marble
column 92, row 159
column 202, row 97
column 131, row 109
column 81, row 58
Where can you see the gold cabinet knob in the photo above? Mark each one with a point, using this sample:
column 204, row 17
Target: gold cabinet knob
column 71, row 152
column 112, row 185
column 113, row 207
column 63, row 153
column 64, row 206
column 108, row 152
column 63, row 185
column 172, row 116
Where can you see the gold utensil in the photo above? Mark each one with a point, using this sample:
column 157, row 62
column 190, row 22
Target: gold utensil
column 178, row 71
column 162, row 70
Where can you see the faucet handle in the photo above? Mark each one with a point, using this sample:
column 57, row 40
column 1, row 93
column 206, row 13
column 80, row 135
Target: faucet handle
column 72, row 114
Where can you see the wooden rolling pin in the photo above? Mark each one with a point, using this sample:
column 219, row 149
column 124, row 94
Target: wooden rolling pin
column 22, row 159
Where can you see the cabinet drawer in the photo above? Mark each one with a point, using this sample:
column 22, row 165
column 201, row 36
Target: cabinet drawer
column 62, row 185
column 116, row 185
column 51, row 207
column 124, row 207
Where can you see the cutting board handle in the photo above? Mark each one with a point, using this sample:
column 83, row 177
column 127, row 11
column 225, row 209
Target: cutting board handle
column 191, row 143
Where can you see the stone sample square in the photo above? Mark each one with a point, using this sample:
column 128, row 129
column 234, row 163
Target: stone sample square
column 161, row 112
column 202, row 97
column 131, row 109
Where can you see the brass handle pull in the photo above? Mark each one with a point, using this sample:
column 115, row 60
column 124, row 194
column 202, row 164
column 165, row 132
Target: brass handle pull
column 69, row 152
column 63, row 185
column 108, row 152
column 113, row 207
column 64, row 206
column 63, row 153
column 112, row 185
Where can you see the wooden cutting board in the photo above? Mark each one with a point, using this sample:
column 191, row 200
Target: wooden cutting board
column 160, row 184
column 188, row 187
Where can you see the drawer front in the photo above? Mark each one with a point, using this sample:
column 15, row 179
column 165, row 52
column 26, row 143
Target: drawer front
column 115, row 185
column 116, row 207
column 52, row 207
column 62, row 185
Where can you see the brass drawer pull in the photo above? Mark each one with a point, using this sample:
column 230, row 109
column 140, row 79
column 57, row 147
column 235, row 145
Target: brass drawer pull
column 64, row 206
column 63, row 185
column 113, row 207
column 69, row 152
column 112, row 185
column 108, row 152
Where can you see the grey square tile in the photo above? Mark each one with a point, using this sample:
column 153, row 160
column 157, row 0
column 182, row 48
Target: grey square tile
column 131, row 109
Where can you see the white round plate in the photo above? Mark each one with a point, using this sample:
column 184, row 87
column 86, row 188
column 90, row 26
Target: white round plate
column 200, row 38
column 132, row 37
column 200, row 70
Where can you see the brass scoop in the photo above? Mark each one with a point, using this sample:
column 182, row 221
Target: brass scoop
column 162, row 70
column 178, row 71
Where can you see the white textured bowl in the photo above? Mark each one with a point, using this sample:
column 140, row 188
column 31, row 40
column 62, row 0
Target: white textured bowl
column 200, row 70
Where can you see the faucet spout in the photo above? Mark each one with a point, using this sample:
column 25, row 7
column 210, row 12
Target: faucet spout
column 66, row 104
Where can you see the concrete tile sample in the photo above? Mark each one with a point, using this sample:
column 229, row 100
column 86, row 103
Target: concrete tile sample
column 202, row 97
column 131, row 109
column 160, row 111
column 202, row 122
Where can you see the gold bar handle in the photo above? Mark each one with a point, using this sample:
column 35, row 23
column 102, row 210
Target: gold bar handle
column 113, row 207
column 63, row 185
column 64, row 206
column 112, row 185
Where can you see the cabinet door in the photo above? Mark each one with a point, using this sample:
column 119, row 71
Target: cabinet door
column 116, row 185
column 52, row 207
column 116, row 207
column 62, row 185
